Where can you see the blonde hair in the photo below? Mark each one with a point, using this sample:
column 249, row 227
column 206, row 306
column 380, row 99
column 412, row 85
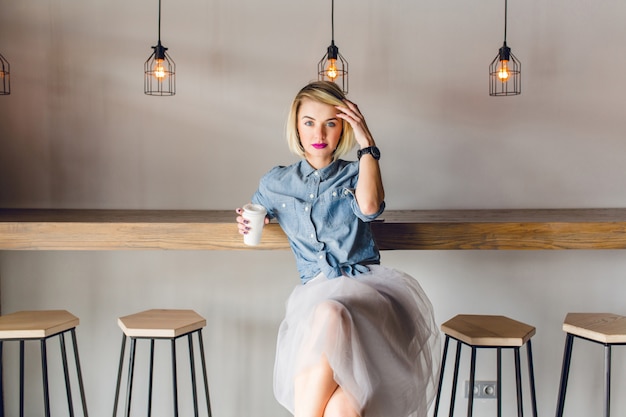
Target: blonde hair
column 324, row 92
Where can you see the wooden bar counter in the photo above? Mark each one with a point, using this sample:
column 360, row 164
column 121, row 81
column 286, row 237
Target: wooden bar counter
column 540, row 229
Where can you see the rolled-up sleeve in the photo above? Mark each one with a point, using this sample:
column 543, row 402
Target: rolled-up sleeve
column 357, row 210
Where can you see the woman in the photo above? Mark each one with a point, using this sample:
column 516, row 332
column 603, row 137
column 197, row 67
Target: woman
column 358, row 339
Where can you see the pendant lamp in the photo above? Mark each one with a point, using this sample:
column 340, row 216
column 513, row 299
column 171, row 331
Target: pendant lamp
column 5, row 82
column 333, row 66
column 159, row 70
column 505, row 71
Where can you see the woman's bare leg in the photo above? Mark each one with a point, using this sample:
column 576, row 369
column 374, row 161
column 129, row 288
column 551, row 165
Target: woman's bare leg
column 314, row 388
column 340, row 405
column 316, row 391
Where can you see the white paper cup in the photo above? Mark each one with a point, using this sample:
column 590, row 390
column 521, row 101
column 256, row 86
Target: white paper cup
column 255, row 214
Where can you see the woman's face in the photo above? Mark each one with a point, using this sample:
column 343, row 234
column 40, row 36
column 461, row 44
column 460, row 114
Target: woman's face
column 320, row 130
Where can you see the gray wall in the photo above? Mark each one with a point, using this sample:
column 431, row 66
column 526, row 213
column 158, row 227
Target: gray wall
column 78, row 132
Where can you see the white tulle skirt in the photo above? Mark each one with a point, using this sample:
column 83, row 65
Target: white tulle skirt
column 377, row 331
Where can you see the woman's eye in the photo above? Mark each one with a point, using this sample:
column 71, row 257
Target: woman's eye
column 331, row 124
column 308, row 123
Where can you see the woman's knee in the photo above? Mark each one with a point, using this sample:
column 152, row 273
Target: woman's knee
column 329, row 311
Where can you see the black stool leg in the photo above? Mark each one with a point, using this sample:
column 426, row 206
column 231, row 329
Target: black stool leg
column 21, row 378
column 79, row 372
column 150, row 377
column 119, row 376
column 455, row 379
column 607, row 380
column 131, row 374
column 441, row 369
column 174, row 378
column 499, row 381
column 44, row 373
column 470, row 396
column 66, row 374
column 567, row 358
column 518, row 382
column 204, row 373
column 192, row 366
column 531, row 376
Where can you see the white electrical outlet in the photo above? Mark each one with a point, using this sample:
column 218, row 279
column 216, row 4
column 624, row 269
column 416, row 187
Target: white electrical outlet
column 482, row 389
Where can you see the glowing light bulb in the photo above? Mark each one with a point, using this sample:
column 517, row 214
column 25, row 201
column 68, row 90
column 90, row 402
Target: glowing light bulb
column 503, row 72
column 331, row 70
column 159, row 70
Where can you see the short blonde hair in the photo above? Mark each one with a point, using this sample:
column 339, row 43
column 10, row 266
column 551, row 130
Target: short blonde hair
column 324, row 92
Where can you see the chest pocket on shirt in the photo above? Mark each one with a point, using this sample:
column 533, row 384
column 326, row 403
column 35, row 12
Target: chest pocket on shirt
column 286, row 214
column 337, row 207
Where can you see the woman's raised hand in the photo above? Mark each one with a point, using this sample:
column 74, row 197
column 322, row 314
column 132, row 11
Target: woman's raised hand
column 351, row 114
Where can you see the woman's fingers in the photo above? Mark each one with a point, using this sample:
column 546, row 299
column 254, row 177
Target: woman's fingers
column 242, row 224
column 350, row 113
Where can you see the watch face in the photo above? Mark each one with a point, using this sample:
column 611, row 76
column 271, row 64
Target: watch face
column 375, row 152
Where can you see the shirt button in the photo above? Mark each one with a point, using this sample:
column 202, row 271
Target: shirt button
column 334, row 193
column 306, row 208
column 312, row 195
column 284, row 205
column 317, row 174
column 321, row 256
column 312, row 235
column 346, row 192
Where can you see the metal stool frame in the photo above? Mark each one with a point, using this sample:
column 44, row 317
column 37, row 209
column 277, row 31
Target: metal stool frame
column 567, row 358
column 131, row 367
column 518, row 376
column 44, row 372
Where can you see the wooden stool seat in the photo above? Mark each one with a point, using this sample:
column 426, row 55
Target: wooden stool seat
column 161, row 323
column 36, row 324
column 481, row 330
column 41, row 325
column 601, row 327
column 604, row 328
column 168, row 325
column 487, row 332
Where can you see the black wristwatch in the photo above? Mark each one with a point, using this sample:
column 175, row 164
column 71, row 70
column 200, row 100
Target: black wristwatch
column 372, row 150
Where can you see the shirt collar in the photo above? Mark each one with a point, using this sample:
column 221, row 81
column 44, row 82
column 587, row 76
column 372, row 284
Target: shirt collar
column 307, row 170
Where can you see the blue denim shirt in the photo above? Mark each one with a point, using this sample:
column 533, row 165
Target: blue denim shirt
column 318, row 212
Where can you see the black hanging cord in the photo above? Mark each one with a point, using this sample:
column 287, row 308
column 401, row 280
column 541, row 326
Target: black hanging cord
column 505, row 15
column 159, row 21
column 332, row 20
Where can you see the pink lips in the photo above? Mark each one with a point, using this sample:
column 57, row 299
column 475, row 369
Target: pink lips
column 319, row 145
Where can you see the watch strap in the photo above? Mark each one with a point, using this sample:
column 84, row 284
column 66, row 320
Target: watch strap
column 372, row 150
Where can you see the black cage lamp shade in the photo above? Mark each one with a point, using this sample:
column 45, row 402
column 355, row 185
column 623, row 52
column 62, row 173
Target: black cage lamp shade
column 5, row 73
column 333, row 66
column 160, row 73
column 160, row 70
column 505, row 71
column 505, row 74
